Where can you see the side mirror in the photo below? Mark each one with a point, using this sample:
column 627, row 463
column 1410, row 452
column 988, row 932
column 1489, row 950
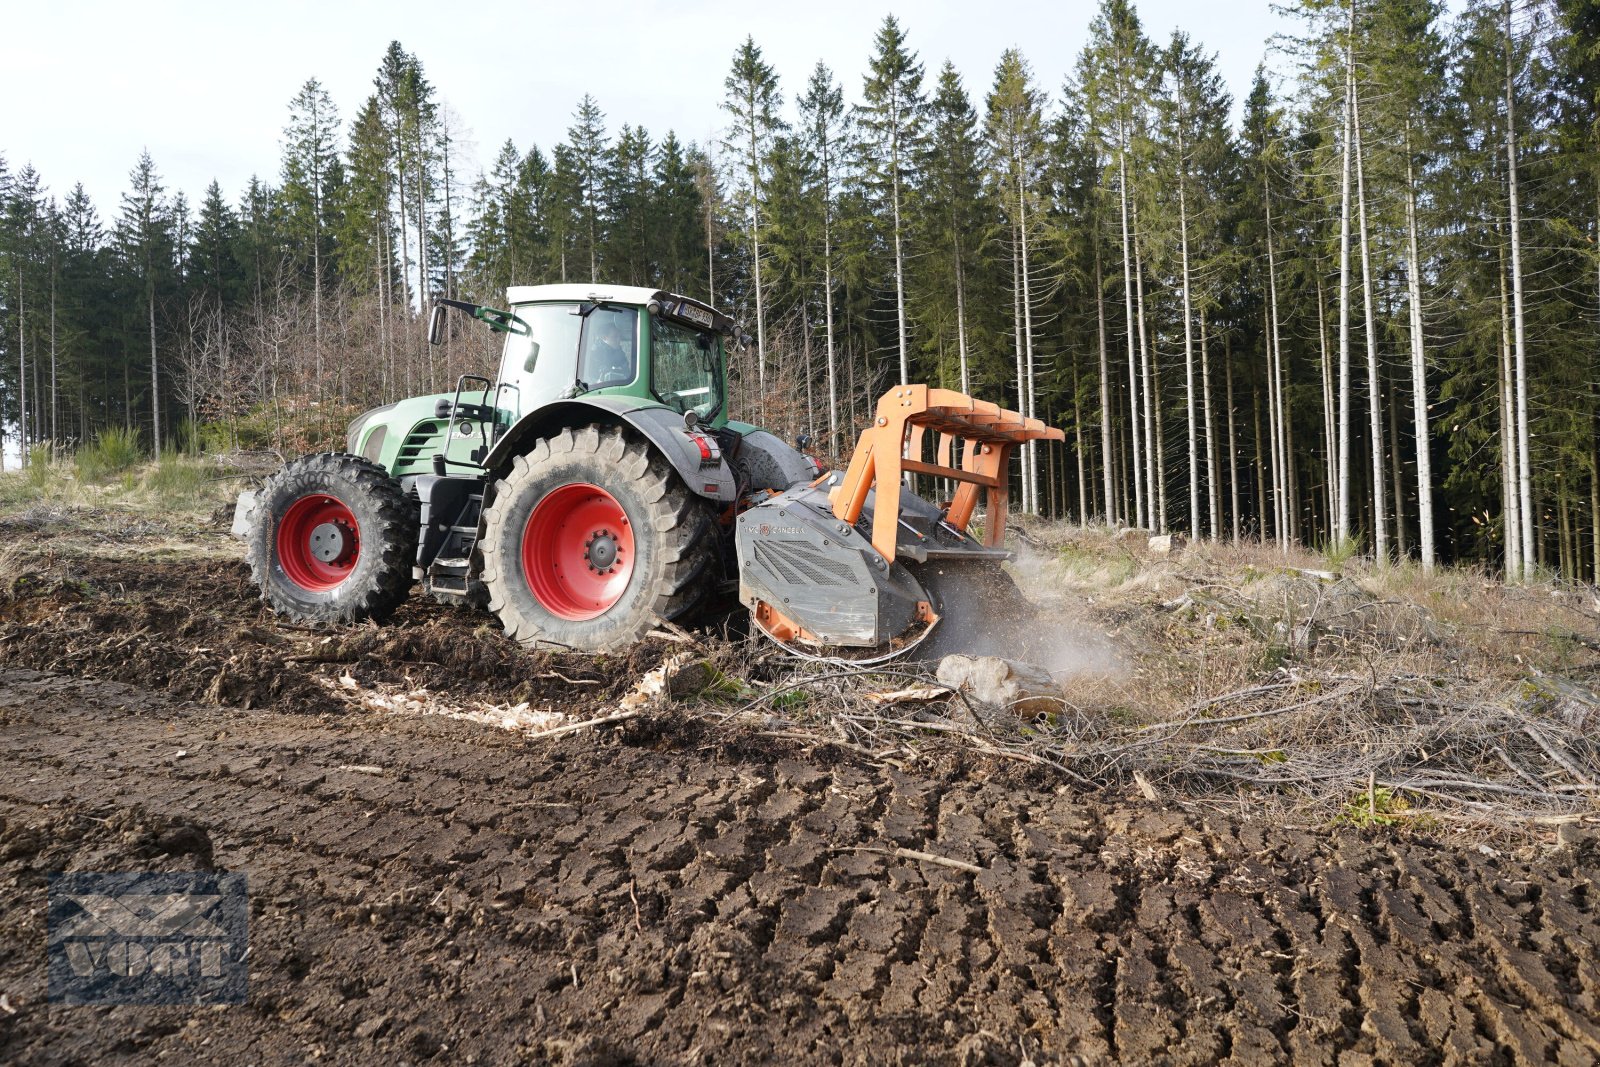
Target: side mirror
column 804, row 442
column 436, row 325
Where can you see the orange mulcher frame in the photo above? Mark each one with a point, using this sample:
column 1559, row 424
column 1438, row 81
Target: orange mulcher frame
column 892, row 447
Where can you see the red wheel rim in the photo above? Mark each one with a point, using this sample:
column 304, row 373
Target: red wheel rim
column 577, row 551
column 319, row 542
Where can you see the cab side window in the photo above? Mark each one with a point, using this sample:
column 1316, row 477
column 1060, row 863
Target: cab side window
column 610, row 347
column 539, row 362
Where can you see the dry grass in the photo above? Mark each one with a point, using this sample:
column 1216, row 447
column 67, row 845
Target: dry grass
column 159, row 509
column 1273, row 683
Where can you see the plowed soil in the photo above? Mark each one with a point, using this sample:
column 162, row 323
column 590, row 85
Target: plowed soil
column 425, row 889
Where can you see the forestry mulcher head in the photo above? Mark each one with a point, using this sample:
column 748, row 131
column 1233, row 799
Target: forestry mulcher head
column 858, row 561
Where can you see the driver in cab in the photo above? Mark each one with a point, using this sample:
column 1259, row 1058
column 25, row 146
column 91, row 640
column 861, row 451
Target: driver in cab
column 609, row 362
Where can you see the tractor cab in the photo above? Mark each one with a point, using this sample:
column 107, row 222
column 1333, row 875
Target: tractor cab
column 569, row 341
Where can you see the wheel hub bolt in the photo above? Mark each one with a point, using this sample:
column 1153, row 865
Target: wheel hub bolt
column 328, row 542
column 601, row 551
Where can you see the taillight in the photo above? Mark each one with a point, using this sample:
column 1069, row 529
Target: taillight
column 710, row 453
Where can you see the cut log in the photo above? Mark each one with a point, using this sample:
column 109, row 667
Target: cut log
column 1018, row 687
column 1166, row 544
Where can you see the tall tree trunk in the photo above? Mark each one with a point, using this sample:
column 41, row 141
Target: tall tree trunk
column 1380, row 519
column 1077, row 430
column 1511, row 508
column 1141, row 510
column 1154, row 461
column 1594, row 511
column 1397, row 473
column 1109, row 509
column 1016, row 329
column 1419, row 372
column 1213, row 490
column 1330, row 438
column 1261, row 473
column 1519, row 332
column 899, row 273
column 22, row 371
column 55, row 430
column 1030, row 452
column 961, row 322
column 1342, row 523
column 155, row 366
column 827, row 301
column 1195, row 529
column 1233, row 439
column 1280, row 432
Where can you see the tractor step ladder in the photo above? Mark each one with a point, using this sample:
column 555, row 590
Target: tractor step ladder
column 977, row 435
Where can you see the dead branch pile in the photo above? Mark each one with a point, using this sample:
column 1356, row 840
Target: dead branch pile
column 1318, row 742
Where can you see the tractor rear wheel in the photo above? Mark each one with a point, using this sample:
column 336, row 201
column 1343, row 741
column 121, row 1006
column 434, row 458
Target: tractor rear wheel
column 591, row 538
column 333, row 539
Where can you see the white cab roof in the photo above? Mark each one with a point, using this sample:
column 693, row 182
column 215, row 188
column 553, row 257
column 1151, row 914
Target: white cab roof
column 621, row 294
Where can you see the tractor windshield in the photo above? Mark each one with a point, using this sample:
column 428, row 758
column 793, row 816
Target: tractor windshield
column 686, row 373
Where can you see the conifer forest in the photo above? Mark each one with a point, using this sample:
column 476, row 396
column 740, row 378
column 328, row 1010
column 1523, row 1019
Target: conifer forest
column 1360, row 307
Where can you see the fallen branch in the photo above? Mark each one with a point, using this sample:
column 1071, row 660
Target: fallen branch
column 572, row 728
column 924, row 857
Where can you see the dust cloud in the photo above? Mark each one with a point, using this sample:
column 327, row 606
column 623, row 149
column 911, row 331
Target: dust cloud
column 1026, row 615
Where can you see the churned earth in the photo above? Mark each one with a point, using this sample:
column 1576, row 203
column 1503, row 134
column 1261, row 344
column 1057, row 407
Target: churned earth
column 670, row 890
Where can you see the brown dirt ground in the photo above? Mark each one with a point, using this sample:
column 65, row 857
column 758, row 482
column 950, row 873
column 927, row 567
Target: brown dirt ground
column 667, row 892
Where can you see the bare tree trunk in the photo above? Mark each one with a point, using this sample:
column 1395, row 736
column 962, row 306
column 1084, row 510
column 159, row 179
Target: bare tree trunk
column 155, row 366
column 1280, row 432
column 1109, row 509
column 961, row 322
column 1341, row 530
column 1233, row 439
column 827, row 299
column 1030, row 453
column 761, row 321
column 1141, row 514
column 405, row 239
column 1213, row 490
column 1261, row 473
column 1016, row 329
column 1077, row 429
column 1380, row 520
column 1188, row 348
column 1330, row 438
column 899, row 277
column 22, row 372
column 55, row 431
column 1155, row 462
column 1594, row 513
column 1511, row 509
column 1419, row 372
column 1397, row 472
column 1519, row 333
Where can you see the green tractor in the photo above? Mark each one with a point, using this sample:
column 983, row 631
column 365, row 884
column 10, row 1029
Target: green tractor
column 598, row 486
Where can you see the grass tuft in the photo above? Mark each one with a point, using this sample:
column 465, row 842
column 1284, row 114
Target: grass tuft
column 113, row 451
column 177, row 476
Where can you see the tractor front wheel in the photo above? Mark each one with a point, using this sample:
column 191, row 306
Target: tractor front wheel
column 591, row 538
column 332, row 539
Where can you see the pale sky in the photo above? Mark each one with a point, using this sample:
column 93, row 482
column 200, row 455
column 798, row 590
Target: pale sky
column 206, row 86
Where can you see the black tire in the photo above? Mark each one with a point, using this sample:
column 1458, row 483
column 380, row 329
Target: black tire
column 674, row 539
column 379, row 565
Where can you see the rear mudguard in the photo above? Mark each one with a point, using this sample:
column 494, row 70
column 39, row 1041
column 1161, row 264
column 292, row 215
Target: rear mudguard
column 711, row 477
